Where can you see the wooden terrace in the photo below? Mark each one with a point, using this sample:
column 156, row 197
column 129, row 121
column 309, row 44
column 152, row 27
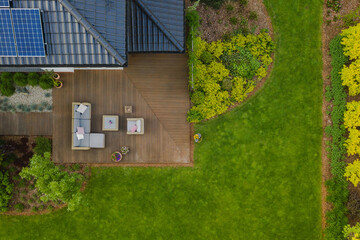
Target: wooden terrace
column 154, row 84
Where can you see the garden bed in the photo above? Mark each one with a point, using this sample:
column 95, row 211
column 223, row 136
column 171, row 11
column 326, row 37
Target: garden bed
column 27, row 99
column 25, row 198
column 232, row 16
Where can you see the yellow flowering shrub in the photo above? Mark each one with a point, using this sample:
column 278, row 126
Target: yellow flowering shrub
column 242, row 60
column 352, row 172
column 352, row 143
column 351, row 42
column 241, row 89
column 352, row 115
column 350, row 76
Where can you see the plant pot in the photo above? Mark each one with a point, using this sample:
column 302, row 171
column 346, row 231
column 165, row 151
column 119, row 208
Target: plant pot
column 60, row 84
column 56, row 76
column 116, row 157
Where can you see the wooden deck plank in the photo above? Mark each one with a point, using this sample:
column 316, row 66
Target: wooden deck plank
column 35, row 124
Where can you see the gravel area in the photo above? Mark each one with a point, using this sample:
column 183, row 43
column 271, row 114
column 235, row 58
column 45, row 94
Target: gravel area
column 28, row 99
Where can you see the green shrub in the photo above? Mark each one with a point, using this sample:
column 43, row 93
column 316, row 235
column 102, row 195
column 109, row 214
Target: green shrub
column 46, row 82
column 334, row 5
column 34, row 209
column 52, row 183
column 42, row 146
column 216, row 4
column 75, row 167
column 243, row 2
column 50, row 208
column 229, row 7
column 33, row 79
column 197, row 97
column 6, row 191
column 227, row 84
column 19, row 207
column 41, row 207
column 253, row 15
column 194, row 116
column 20, row 79
column 206, row 57
column 241, row 63
column 31, row 200
column 233, row 20
column 337, row 187
column 7, row 84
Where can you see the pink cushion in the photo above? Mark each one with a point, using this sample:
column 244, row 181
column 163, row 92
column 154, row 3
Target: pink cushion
column 80, row 130
column 134, row 128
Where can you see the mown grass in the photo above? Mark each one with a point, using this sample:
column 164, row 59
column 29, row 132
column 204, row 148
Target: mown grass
column 257, row 173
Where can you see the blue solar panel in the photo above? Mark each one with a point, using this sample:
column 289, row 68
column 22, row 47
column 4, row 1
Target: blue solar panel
column 28, row 32
column 7, row 43
column 4, row 3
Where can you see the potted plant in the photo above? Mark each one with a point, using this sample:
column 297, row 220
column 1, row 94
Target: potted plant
column 116, row 156
column 124, row 150
column 55, row 77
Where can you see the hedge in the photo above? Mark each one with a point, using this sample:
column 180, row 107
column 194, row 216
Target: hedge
column 337, row 186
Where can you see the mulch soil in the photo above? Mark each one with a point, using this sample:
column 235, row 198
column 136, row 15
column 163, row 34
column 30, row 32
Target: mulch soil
column 332, row 25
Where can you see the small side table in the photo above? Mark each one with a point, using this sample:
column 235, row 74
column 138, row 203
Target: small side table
column 110, row 123
column 128, row 109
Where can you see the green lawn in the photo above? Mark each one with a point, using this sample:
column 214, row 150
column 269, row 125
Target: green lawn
column 257, row 173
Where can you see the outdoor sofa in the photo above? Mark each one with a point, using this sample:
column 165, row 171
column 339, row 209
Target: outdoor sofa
column 82, row 120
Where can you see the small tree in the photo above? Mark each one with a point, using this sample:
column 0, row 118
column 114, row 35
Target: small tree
column 352, row 172
column 20, row 79
column 52, row 183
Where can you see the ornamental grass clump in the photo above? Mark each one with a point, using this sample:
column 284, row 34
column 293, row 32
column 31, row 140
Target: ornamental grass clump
column 20, row 79
column 7, row 87
column 33, row 79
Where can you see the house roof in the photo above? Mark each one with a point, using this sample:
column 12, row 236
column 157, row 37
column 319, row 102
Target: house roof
column 101, row 32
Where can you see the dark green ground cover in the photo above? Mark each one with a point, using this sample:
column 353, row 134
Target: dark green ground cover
column 257, row 173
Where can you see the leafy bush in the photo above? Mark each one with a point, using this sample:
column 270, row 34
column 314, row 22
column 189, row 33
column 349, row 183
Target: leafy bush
column 334, row 5
column 352, row 172
column 352, row 233
column 33, row 79
column 253, row 15
column 6, row 190
column 337, row 186
column 52, row 183
column 197, row 97
column 350, row 76
column 20, row 79
column 233, row 20
column 42, row 146
column 227, row 85
column 241, row 63
column 7, row 84
column 243, row 2
column 351, row 18
column 206, row 57
column 46, row 82
column 351, row 42
column 19, row 207
column 216, row 4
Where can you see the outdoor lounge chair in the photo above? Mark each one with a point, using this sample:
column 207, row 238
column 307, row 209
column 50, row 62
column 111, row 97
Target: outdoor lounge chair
column 135, row 126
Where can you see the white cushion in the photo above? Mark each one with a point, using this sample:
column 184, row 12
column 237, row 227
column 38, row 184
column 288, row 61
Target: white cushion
column 79, row 136
column 82, row 108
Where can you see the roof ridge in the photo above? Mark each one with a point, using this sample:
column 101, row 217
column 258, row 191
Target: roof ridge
column 91, row 29
column 152, row 16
